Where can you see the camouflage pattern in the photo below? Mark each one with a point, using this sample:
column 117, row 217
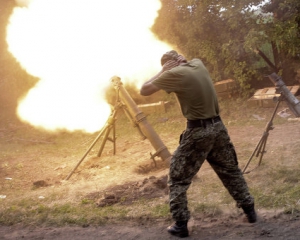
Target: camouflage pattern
column 197, row 144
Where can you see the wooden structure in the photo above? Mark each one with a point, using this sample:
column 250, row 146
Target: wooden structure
column 265, row 97
column 225, row 88
column 159, row 107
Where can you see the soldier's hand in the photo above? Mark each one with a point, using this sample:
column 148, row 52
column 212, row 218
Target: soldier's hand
column 181, row 59
column 169, row 65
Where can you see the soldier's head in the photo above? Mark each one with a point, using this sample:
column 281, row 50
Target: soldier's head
column 172, row 55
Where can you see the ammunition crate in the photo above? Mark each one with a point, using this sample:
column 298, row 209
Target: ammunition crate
column 225, row 88
column 266, row 97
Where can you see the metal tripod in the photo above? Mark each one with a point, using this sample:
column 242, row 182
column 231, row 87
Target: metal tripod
column 110, row 125
column 261, row 145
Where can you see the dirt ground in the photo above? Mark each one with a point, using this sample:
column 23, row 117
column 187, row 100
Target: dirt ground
column 269, row 226
column 274, row 224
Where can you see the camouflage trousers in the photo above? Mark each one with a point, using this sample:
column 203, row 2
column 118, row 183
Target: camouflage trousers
column 196, row 145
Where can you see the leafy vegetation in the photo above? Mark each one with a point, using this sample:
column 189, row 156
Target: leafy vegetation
column 227, row 35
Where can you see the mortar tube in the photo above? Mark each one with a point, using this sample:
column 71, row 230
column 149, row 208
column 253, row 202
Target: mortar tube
column 292, row 102
column 161, row 150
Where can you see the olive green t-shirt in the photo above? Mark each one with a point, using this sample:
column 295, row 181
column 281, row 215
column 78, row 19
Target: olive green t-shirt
column 193, row 87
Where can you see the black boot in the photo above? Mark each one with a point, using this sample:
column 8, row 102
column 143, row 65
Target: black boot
column 250, row 213
column 179, row 229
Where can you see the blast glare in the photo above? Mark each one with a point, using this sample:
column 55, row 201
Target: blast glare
column 74, row 47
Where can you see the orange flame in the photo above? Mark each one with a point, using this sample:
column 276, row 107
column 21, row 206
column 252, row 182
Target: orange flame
column 75, row 47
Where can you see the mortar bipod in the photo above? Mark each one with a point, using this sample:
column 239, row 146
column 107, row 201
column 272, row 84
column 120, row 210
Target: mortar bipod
column 137, row 118
column 110, row 124
column 259, row 150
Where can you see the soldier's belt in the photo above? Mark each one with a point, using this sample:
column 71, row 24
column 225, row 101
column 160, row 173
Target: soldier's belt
column 203, row 122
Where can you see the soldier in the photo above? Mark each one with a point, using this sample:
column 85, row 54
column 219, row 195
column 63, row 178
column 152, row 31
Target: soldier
column 205, row 137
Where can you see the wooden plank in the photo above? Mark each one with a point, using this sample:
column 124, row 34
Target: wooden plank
column 265, row 97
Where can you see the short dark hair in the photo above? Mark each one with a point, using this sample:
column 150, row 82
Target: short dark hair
column 171, row 55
